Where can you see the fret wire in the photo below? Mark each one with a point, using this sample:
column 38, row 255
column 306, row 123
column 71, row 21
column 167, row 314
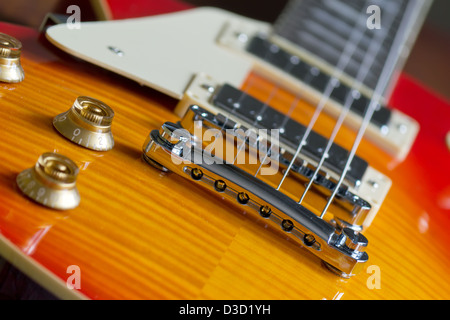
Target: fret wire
column 288, row 66
column 342, row 28
column 343, row 9
column 382, row 83
column 299, row 15
column 337, row 72
column 362, row 73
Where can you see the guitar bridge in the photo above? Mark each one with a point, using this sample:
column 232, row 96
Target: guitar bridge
column 175, row 149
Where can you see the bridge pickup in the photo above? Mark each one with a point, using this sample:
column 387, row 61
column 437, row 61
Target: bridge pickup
column 258, row 115
column 368, row 184
column 174, row 149
column 348, row 209
column 246, row 111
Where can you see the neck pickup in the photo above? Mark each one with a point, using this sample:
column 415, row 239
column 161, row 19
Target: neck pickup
column 318, row 80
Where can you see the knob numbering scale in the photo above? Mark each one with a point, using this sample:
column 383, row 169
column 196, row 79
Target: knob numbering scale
column 87, row 123
column 51, row 182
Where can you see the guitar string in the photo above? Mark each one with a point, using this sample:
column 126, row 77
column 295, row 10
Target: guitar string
column 244, row 93
column 305, row 135
column 363, row 39
column 382, row 83
column 316, row 114
column 284, row 122
column 309, row 77
column 287, row 117
column 287, row 68
column 236, row 105
column 266, row 155
column 349, row 49
column 367, row 63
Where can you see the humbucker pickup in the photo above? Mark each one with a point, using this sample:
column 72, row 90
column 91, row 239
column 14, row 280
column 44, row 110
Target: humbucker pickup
column 348, row 208
column 314, row 77
column 342, row 249
column 299, row 72
column 362, row 180
column 255, row 113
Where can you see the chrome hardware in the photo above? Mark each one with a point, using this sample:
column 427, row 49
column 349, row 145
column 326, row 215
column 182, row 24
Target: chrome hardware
column 11, row 70
column 51, row 182
column 339, row 248
column 87, row 123
column 355, row 242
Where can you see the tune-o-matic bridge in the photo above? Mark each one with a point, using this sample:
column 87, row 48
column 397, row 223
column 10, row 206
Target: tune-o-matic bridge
column 341, row 248
column 232, row 120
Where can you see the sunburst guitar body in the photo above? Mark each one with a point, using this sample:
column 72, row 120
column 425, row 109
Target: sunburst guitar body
column 143, row 233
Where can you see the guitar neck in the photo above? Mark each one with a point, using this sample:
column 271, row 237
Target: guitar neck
column 326, row 29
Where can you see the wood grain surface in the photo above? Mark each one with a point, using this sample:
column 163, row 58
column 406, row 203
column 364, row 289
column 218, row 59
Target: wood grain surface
column 139, row 233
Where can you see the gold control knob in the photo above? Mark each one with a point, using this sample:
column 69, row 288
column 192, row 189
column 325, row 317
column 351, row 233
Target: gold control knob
column 87, row 123
column 11, row 70
column 51, row 182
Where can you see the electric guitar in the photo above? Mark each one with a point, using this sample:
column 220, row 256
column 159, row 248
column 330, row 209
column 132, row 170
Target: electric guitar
column 101, row 196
